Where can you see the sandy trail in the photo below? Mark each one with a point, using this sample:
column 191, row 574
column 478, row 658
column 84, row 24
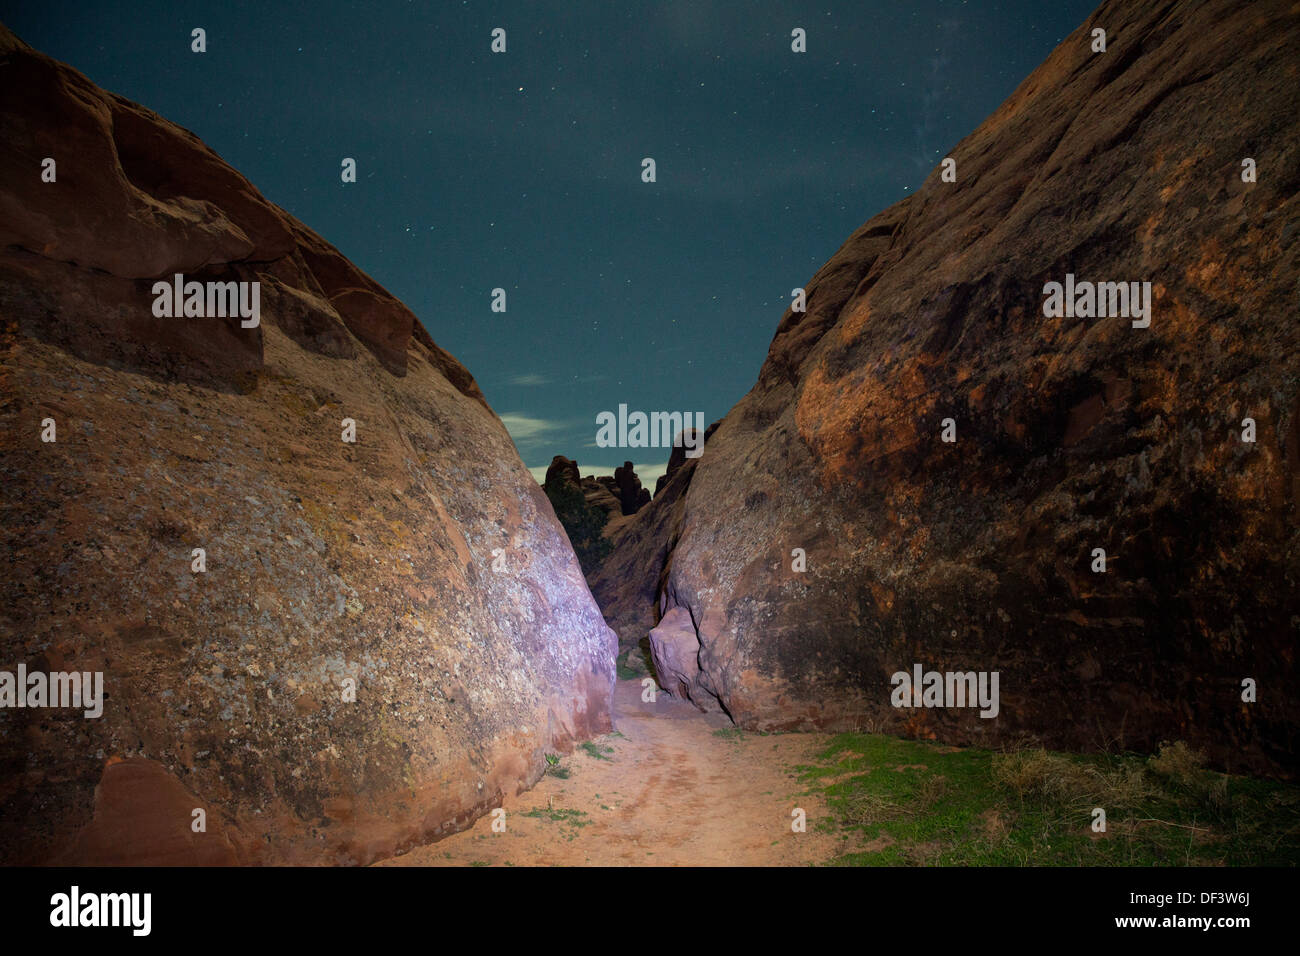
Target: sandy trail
column 671, row 793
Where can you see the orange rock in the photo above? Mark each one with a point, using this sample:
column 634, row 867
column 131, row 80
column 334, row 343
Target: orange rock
column 1072, row 434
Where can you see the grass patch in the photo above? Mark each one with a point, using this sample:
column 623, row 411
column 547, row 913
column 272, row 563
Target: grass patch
column 903, row 802
column 571, row 820
column 596, row 750
column 730, row 733
column 555, row 768
column 571, row 817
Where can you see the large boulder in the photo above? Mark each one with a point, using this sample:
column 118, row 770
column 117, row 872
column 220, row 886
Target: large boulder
column 1071, row 434
column 334, row 649
column 675, row 653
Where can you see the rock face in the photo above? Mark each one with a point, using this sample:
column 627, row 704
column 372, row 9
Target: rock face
column 628, row 584
column 599, row 495
column 675, row 652
column 385, row 637
column 629, row 581
column 1071, row 434
column 677, row 457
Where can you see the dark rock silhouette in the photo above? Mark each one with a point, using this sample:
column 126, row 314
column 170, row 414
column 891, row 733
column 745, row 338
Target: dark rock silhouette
column 631, row 495
column 388, row 635
column 600, row 493
column 563, row 469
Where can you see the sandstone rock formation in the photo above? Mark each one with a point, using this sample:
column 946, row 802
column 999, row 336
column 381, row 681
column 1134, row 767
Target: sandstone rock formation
column 600, row 495
column 600, row 492
column 629, row 580
column 677, row 457
column 388, row 635
column 563, row 469
column 1072, row 434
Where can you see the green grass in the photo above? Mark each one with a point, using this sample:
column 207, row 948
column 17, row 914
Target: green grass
column 571, row 817
column 555, row 768
column 571, row 820
column 903, row 802
column 596, row 750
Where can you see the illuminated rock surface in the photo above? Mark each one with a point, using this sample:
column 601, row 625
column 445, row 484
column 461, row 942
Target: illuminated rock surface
column 326, row 562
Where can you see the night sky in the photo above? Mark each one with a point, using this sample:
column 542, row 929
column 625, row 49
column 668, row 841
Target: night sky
column 522, row 170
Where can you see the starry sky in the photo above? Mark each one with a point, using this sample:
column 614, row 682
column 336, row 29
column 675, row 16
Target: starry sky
column 522, row 170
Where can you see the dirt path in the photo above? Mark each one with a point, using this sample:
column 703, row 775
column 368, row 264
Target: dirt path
column 673, row 791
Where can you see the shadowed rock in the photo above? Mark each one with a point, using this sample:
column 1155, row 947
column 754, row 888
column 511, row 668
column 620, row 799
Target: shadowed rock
column 1071, row 434
column 678, row 456
column 631, row 495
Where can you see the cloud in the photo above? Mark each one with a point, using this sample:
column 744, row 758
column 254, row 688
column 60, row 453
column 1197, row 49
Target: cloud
column 524, row 429
column 528, row 379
